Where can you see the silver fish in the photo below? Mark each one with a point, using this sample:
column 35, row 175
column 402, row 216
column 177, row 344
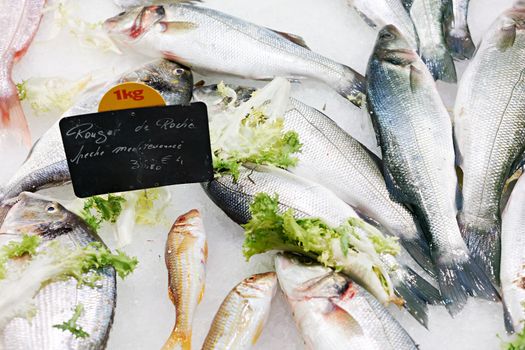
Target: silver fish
column 36, row 215
column 512, row 273
column 415, row 134
column 46, row 165
column 309, row 199
column 457, row 32
column 489, row 128
column 333, row 313
column 379, row 13
column 126, row 4
column 208, row 40
column 427, row 17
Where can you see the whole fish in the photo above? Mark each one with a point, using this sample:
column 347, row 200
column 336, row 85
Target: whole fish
column 334, row 159
column 242, row 315
column 36, row 215
column 186, row 255
column 134, row 3
column 208, row 40
column 457, row 32
column 19, row 21
column 379, row 13
column 427, row 17
column 332, row 312
column 415, row 134
column 46, row 164
column 513, row 258
column 489, row 128
column 309, row 199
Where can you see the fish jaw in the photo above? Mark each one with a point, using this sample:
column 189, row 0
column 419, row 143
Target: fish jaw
column 131, row 25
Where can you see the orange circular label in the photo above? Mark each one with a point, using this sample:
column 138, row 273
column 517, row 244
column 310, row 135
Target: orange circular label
column 130, row 95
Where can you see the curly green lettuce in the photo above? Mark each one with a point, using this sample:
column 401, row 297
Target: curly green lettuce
column 98, row 209
column 72, row 325
column 15, row 249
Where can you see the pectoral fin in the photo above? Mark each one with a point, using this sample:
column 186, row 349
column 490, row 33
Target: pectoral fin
column 177, row 27
column 296, row 39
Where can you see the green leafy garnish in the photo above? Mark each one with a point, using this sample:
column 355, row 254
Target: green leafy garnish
column 98, row 210
column 72, row 326
column 28, row 245
column 21, row 89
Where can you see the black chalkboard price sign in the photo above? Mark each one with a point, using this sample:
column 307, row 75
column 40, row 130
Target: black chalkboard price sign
column 138, row 148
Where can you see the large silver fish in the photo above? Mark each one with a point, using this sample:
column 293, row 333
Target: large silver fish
column 46, row 165
column 208, row 40
column 415, row 134
column 379, row 13
column 489, row 128
column 331, row 157
column 334, row 313
column 309, row 199
column 36, row 215
column 427, row 16
column 457, row 32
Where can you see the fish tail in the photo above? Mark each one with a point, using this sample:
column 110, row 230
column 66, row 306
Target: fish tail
column 12, row 116
column 484, row 243
column 459, row 279
column 351, row 86
column 460, row 44
column 441, row 65
column 178, row 340
column 420, row 251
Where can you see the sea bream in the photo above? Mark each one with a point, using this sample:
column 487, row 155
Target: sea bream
column 19, row 21
column 33, row 214
column 185, row 255
column 489, row 128
column 415, row 134
column 46, row 164
column 210, row 41
column 334, row 313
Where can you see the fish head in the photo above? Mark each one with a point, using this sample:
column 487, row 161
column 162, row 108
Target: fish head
column 392, row 47
column 129, row 26
column 34, row 214
column 509, row 24
column 258, row 286
column 211, row 95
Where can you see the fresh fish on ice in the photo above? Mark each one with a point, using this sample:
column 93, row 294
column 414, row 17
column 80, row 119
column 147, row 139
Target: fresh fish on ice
column 415, row 134
column 457, row 32
column 211, row 41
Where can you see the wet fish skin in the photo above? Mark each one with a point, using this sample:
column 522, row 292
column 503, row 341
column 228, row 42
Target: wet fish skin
column 332, row 312
column 415, row 134
column 427, row 17
column 457, row 32
column 46, row 164
column 489, row 129
column 126, row 4
column 19, row 21
column 242, row 315
column 37, row 215
column 185, row 255
column 211, row 41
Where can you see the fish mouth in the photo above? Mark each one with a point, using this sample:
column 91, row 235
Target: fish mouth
column 144, row 21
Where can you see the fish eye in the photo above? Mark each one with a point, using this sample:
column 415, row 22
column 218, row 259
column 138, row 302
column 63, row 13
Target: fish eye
column 121, row 14
column 386, row 36
column 51, row 208
column 178, row 71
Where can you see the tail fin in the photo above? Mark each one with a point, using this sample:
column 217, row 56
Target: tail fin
column 441, row 65
column 352, row 86
column 420, row 251
column 178, row 341
column 460, row 44
column 509, row 324
column 12, row 117
column 459, row 279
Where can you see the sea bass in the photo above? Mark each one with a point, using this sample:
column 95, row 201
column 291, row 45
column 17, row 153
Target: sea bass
column 208, row 40
column 379, row 13
column 36, row 215
column 427, row 16
column 457, row 32
column 334, row 159
column 19, row 21
column 489, row 128
column 186, row 255
column 242, row 315
column 415, row 134
column 46, row 164
column 334, row 313
column 309, row 199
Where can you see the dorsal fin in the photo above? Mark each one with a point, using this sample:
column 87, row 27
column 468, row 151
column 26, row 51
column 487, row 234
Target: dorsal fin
column 296, row 39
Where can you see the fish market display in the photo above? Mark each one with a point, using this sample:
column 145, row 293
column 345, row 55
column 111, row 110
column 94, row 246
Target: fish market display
column 242, row 315
column 46, row 163
column 186, row 255
column 489, row 127
column 332, row 312
column 513, row 258
column 427, row 16
column 211, row 41
column 457, row 32
column 379, row 13
column 19, row 21
column 36, row 215
column 415, row 134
